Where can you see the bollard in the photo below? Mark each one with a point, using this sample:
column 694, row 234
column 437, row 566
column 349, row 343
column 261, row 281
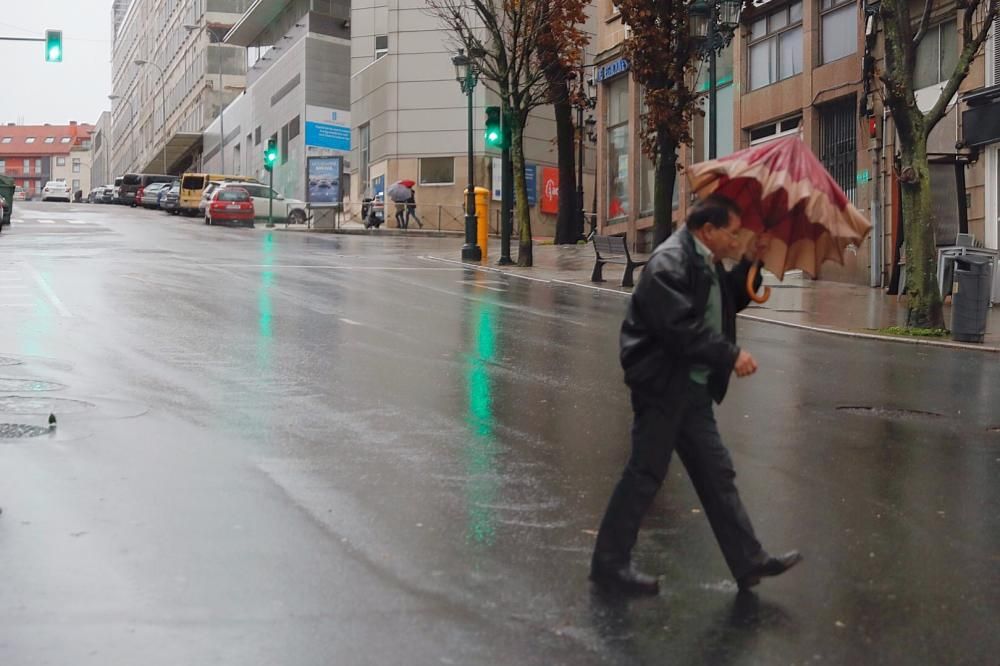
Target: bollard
column 482, row 219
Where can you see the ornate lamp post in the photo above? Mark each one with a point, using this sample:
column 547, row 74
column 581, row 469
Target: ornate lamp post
column 583, row 100
column 467, row 75
column 711, row 25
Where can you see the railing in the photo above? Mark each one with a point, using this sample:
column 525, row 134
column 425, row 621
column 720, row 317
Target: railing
column 435, row 217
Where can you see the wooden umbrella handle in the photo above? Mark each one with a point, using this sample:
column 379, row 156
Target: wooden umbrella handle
column 751, row 276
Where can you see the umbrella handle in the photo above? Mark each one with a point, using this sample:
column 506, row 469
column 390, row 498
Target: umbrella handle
column 751, row 276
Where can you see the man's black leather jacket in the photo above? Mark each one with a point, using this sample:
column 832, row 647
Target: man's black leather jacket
column 665, row 332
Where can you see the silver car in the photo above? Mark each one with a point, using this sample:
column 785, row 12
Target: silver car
column 56, row 190
column 151, row 194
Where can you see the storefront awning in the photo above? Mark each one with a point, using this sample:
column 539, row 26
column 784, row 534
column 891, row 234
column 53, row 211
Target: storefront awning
column 178, row 146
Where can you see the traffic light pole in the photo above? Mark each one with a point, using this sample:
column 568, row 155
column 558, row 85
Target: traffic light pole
column 506, row 196
column 270, row 198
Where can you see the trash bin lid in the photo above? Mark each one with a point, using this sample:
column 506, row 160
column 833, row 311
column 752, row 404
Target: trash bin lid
column 973, row 262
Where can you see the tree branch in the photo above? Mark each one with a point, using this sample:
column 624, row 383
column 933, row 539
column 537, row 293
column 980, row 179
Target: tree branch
column 928, row 4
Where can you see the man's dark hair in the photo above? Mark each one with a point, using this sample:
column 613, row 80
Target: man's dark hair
column 714, row 210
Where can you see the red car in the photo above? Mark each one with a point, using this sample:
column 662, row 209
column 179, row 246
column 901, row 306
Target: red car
column 230, row 205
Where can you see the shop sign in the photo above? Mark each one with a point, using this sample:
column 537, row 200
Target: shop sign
column 550, row 190
column 612, row 69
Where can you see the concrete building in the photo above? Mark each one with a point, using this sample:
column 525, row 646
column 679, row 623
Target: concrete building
column 794, row 67
column 100, row 152
column 296, row 92
column 35, row 154
column 161, row 107
column 410, row 119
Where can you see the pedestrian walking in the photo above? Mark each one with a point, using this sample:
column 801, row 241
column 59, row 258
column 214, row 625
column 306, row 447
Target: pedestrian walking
column 678, row 349
column 400, row 210
column 411, row 210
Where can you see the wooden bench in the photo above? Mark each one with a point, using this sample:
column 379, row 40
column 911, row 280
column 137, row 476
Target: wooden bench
column 613, row 250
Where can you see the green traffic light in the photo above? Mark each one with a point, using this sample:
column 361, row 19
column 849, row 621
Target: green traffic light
column 53, row 46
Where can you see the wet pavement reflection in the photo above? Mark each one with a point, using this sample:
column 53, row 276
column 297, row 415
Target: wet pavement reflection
column 381, row 458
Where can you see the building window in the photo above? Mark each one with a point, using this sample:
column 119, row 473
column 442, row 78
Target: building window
column 838, row 132
column 76, row 185
column 365, row 143
column 38, row 166
column 60, row 161
column 381, row 45
column 76, row 165
column 50, row 139
column 3, row 166
column 937, row 55
column 27, row 166
column 293, row 128
column 840, row 29
column 776, row 46
column 284, row 144
column 6, row 139
column 437, row 170
column 618, row 155
column 65, row 139
column 30, row 139
column 256, row 136
column 775, row 130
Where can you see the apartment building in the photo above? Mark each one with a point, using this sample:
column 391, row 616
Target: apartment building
column 795, row 67
column 171, row 75
column 409, row 119
column 297, row 92
column 100, row 152
column 35, row 154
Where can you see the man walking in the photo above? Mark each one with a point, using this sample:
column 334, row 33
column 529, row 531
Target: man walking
column 678, row 348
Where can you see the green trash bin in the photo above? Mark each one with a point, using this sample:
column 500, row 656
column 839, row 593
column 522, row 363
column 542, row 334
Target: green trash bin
column 7, row 192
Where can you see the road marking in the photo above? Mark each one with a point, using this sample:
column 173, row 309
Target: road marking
column 49, row 293
column 46, row 221
column 351, row 322
column 78, row 222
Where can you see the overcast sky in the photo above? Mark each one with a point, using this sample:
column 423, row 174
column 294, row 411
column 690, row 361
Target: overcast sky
column 36, row 91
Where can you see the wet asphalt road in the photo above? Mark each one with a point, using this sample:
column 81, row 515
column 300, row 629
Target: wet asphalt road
column 284, row 448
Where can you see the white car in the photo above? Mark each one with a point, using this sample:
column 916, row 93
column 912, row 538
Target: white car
column 287, row 211
column 56, row 190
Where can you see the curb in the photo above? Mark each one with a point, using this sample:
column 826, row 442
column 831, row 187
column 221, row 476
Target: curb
column 385, row 232
column 755, row 318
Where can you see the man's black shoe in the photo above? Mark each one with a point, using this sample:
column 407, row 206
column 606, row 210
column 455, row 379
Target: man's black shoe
column 625, row 579
column 772, row 566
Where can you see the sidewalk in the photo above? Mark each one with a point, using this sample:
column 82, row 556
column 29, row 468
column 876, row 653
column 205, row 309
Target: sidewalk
column 799, row 301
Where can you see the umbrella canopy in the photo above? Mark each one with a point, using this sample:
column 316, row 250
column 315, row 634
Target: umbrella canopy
column 408, row 183
column 399, row 192
column 783, row 189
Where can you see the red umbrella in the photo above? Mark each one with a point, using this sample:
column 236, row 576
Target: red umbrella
column 408, row 183
column 782, row 188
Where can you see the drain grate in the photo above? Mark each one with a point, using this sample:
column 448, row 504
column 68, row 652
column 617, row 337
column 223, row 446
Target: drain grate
column 21, row 430
column 6, row 360
column 10, row 384
column 18, row 404
column 888, row 412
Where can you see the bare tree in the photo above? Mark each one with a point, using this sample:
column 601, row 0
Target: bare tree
column 507, row 34
column 661, row 58
column 903, row 33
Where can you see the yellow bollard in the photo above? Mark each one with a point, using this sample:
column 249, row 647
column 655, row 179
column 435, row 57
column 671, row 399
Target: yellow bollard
column 483, row 219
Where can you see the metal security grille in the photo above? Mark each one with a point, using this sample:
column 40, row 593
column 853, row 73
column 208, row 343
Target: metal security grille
column 838, row 144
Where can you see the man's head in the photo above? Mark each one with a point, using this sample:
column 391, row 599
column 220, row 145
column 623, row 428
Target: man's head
column 716, row 223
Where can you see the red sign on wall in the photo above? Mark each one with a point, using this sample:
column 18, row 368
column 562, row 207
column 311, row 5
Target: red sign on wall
column 550, row 190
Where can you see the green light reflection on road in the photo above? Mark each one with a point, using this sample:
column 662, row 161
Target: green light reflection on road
column 481, row 454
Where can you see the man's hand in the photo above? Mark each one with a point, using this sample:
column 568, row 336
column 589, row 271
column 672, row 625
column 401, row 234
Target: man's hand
column 745, row 365
column 761, row 244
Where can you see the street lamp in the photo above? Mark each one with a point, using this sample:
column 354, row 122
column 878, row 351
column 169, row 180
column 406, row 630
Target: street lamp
column 584, row 99
column 711, row 25
column 222, row 128
column 467, row 75
column 163, row 105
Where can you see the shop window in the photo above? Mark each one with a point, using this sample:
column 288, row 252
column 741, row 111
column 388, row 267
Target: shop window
column 937, row 55
column 618, row 155
column 840, row 29
column 437, row 170
column 776, row 46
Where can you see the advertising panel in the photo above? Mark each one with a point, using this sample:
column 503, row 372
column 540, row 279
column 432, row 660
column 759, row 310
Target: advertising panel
column 325, row 175
column 550, row 190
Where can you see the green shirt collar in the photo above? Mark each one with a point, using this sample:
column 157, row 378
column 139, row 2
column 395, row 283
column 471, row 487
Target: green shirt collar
column 703, row 250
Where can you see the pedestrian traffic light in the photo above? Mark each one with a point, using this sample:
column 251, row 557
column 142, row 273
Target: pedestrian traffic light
column 53, row 46
column 494, row 128
column 270, row 154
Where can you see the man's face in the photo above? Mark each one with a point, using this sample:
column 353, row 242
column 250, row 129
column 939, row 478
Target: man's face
column 724, row 241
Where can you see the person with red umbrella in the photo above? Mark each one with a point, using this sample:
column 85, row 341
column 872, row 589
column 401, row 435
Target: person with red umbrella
column 678, row 350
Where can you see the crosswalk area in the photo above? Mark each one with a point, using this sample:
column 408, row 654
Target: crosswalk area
column 52, row 222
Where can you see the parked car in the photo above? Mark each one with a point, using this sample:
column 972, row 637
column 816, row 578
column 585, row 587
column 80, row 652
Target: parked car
column 96, row 194
column 109, row 194
column 56, row 190
column 133, row 184
column 230, row 205
column 116, row 190
column 193, row 189
column 151, row 194
column 206, row 196
column 19, row 194
column 170, row 198
column 289, row 211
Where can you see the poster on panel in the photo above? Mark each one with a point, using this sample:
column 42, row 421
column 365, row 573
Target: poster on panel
column 325, row 175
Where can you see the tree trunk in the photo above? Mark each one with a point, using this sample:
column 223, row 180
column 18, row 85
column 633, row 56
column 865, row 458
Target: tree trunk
column 567, row 221
column 663, row 189
column 923, row 296
column 522, row 217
